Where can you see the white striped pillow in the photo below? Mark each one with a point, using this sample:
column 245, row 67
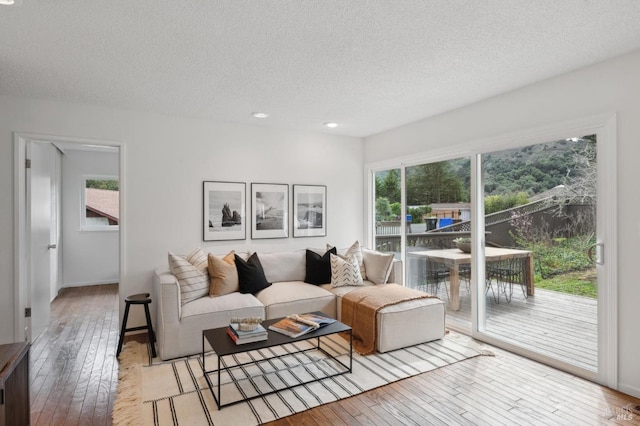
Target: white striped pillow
column 191, row 272
column 345, row 271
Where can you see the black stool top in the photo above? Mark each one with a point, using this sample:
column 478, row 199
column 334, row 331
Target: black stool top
column 138, row 299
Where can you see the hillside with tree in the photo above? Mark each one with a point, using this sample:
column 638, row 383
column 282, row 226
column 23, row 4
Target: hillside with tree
column 511, row 176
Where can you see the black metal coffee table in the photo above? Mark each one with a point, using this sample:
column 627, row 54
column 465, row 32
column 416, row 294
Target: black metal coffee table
column 268, row 370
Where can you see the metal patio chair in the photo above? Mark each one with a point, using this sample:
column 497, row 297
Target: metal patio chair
column 508, row 272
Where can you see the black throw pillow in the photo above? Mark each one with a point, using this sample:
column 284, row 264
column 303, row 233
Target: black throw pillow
column 250, row 274
column 318, row 270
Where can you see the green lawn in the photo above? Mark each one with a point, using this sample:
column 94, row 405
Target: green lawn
column 582, row 283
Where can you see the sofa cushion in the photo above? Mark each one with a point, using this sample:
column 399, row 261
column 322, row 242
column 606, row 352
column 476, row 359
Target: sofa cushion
column 283, row 265
column 296, row 297
column 318, row 267
column 354, row 250
column 377, row 265
column 226, row 306
column 191, row 273
column 251, row 275
column 338, row 292
column 224, row 275
column 345, row 271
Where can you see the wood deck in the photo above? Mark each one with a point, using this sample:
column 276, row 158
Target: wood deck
column 556, row 324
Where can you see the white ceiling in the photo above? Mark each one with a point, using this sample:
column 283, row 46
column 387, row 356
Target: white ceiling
column 369, row 65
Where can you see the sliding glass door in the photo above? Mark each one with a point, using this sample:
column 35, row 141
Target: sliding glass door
column 512, row 240
column 540, row 224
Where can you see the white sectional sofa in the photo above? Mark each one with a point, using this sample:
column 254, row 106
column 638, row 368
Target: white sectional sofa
column 179, row 326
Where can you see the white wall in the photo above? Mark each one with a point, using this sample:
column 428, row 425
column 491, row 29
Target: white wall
column 612, row 86
column 88, row 257
column 166, row 161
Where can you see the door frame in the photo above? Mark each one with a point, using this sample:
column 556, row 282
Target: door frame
column 604, row 125
column 22, row 234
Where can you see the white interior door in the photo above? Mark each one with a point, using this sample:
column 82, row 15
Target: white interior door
column 39, row 200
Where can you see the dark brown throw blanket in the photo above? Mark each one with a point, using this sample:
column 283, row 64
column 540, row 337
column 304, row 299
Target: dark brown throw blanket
column 360, row 308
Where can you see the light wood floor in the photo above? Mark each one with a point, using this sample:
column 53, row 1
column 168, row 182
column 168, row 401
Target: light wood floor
column 74, row 376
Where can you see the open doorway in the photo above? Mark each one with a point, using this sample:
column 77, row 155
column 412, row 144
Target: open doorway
column 62, row 237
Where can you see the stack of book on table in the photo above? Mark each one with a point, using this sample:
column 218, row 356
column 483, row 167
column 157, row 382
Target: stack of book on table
column 297, row 325
column 240, row 337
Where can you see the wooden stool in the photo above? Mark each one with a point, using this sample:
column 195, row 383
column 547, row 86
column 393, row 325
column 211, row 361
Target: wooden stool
column 137, row 299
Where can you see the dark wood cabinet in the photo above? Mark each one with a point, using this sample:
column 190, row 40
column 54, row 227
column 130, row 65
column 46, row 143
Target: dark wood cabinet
column 14, row 384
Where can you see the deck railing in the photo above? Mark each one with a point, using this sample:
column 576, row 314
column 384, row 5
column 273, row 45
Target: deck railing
column 431, row 240
column 388, row 232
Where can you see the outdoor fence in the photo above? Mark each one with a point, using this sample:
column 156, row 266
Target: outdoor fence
column 498, row 227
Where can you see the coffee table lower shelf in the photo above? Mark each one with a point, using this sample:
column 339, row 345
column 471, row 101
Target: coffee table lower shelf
column 270, row 371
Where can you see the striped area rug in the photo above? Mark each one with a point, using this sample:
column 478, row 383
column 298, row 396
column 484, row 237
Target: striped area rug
column 175, row 392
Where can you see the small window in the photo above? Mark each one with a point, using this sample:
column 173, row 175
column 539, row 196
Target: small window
column 100, row 203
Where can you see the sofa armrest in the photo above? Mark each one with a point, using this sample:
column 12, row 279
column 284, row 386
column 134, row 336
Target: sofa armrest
column 396, row 276
column 167, row 292
column 166, row 296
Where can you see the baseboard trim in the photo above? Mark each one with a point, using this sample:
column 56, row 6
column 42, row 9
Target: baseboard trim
column 629, row 390
column 85, row 283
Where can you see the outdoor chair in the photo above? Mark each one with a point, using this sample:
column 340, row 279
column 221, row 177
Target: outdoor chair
column 465, row 275
column 491, row 274
column 464, row 272
column 437, row 275
column 507, row 272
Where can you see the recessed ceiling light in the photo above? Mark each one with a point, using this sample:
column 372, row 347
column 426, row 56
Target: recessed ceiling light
column 260, row 114
column 7, row 2
column 330, row 124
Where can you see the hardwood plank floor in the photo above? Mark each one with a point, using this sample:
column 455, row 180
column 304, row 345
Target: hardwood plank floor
column 74, row 371
column 74, row 377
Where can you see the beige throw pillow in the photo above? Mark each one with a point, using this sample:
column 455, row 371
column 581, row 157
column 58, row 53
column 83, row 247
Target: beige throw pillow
column 224, row 275
column 377, row 265
column 192, row 277
column 345, row 271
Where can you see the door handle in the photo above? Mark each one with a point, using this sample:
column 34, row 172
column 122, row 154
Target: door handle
column 599, row 252
column 52, row 246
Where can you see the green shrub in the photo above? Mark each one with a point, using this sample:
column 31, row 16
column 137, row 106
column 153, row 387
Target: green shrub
column 559, row 256
column 497, row 203
column 396, row 209
column 383, row 210
column 418, row 212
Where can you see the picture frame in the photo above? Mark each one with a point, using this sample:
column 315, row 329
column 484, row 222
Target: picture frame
column 224, row 211
column 269, row 210
column 309, row 211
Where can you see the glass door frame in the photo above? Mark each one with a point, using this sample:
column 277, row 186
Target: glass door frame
column 604, row 126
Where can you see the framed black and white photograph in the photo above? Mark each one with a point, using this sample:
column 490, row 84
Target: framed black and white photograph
column 309, row 210
column 224, row 211
column 269, row 210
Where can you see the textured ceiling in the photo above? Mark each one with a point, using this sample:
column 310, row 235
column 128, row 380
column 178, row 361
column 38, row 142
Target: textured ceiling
column 369, row 65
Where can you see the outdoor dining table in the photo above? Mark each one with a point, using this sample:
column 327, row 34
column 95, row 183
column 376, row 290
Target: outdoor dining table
column 453, row 258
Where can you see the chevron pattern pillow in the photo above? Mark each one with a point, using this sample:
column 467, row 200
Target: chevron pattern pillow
column 354, row 250
column 345, row 271
column 191, row 272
